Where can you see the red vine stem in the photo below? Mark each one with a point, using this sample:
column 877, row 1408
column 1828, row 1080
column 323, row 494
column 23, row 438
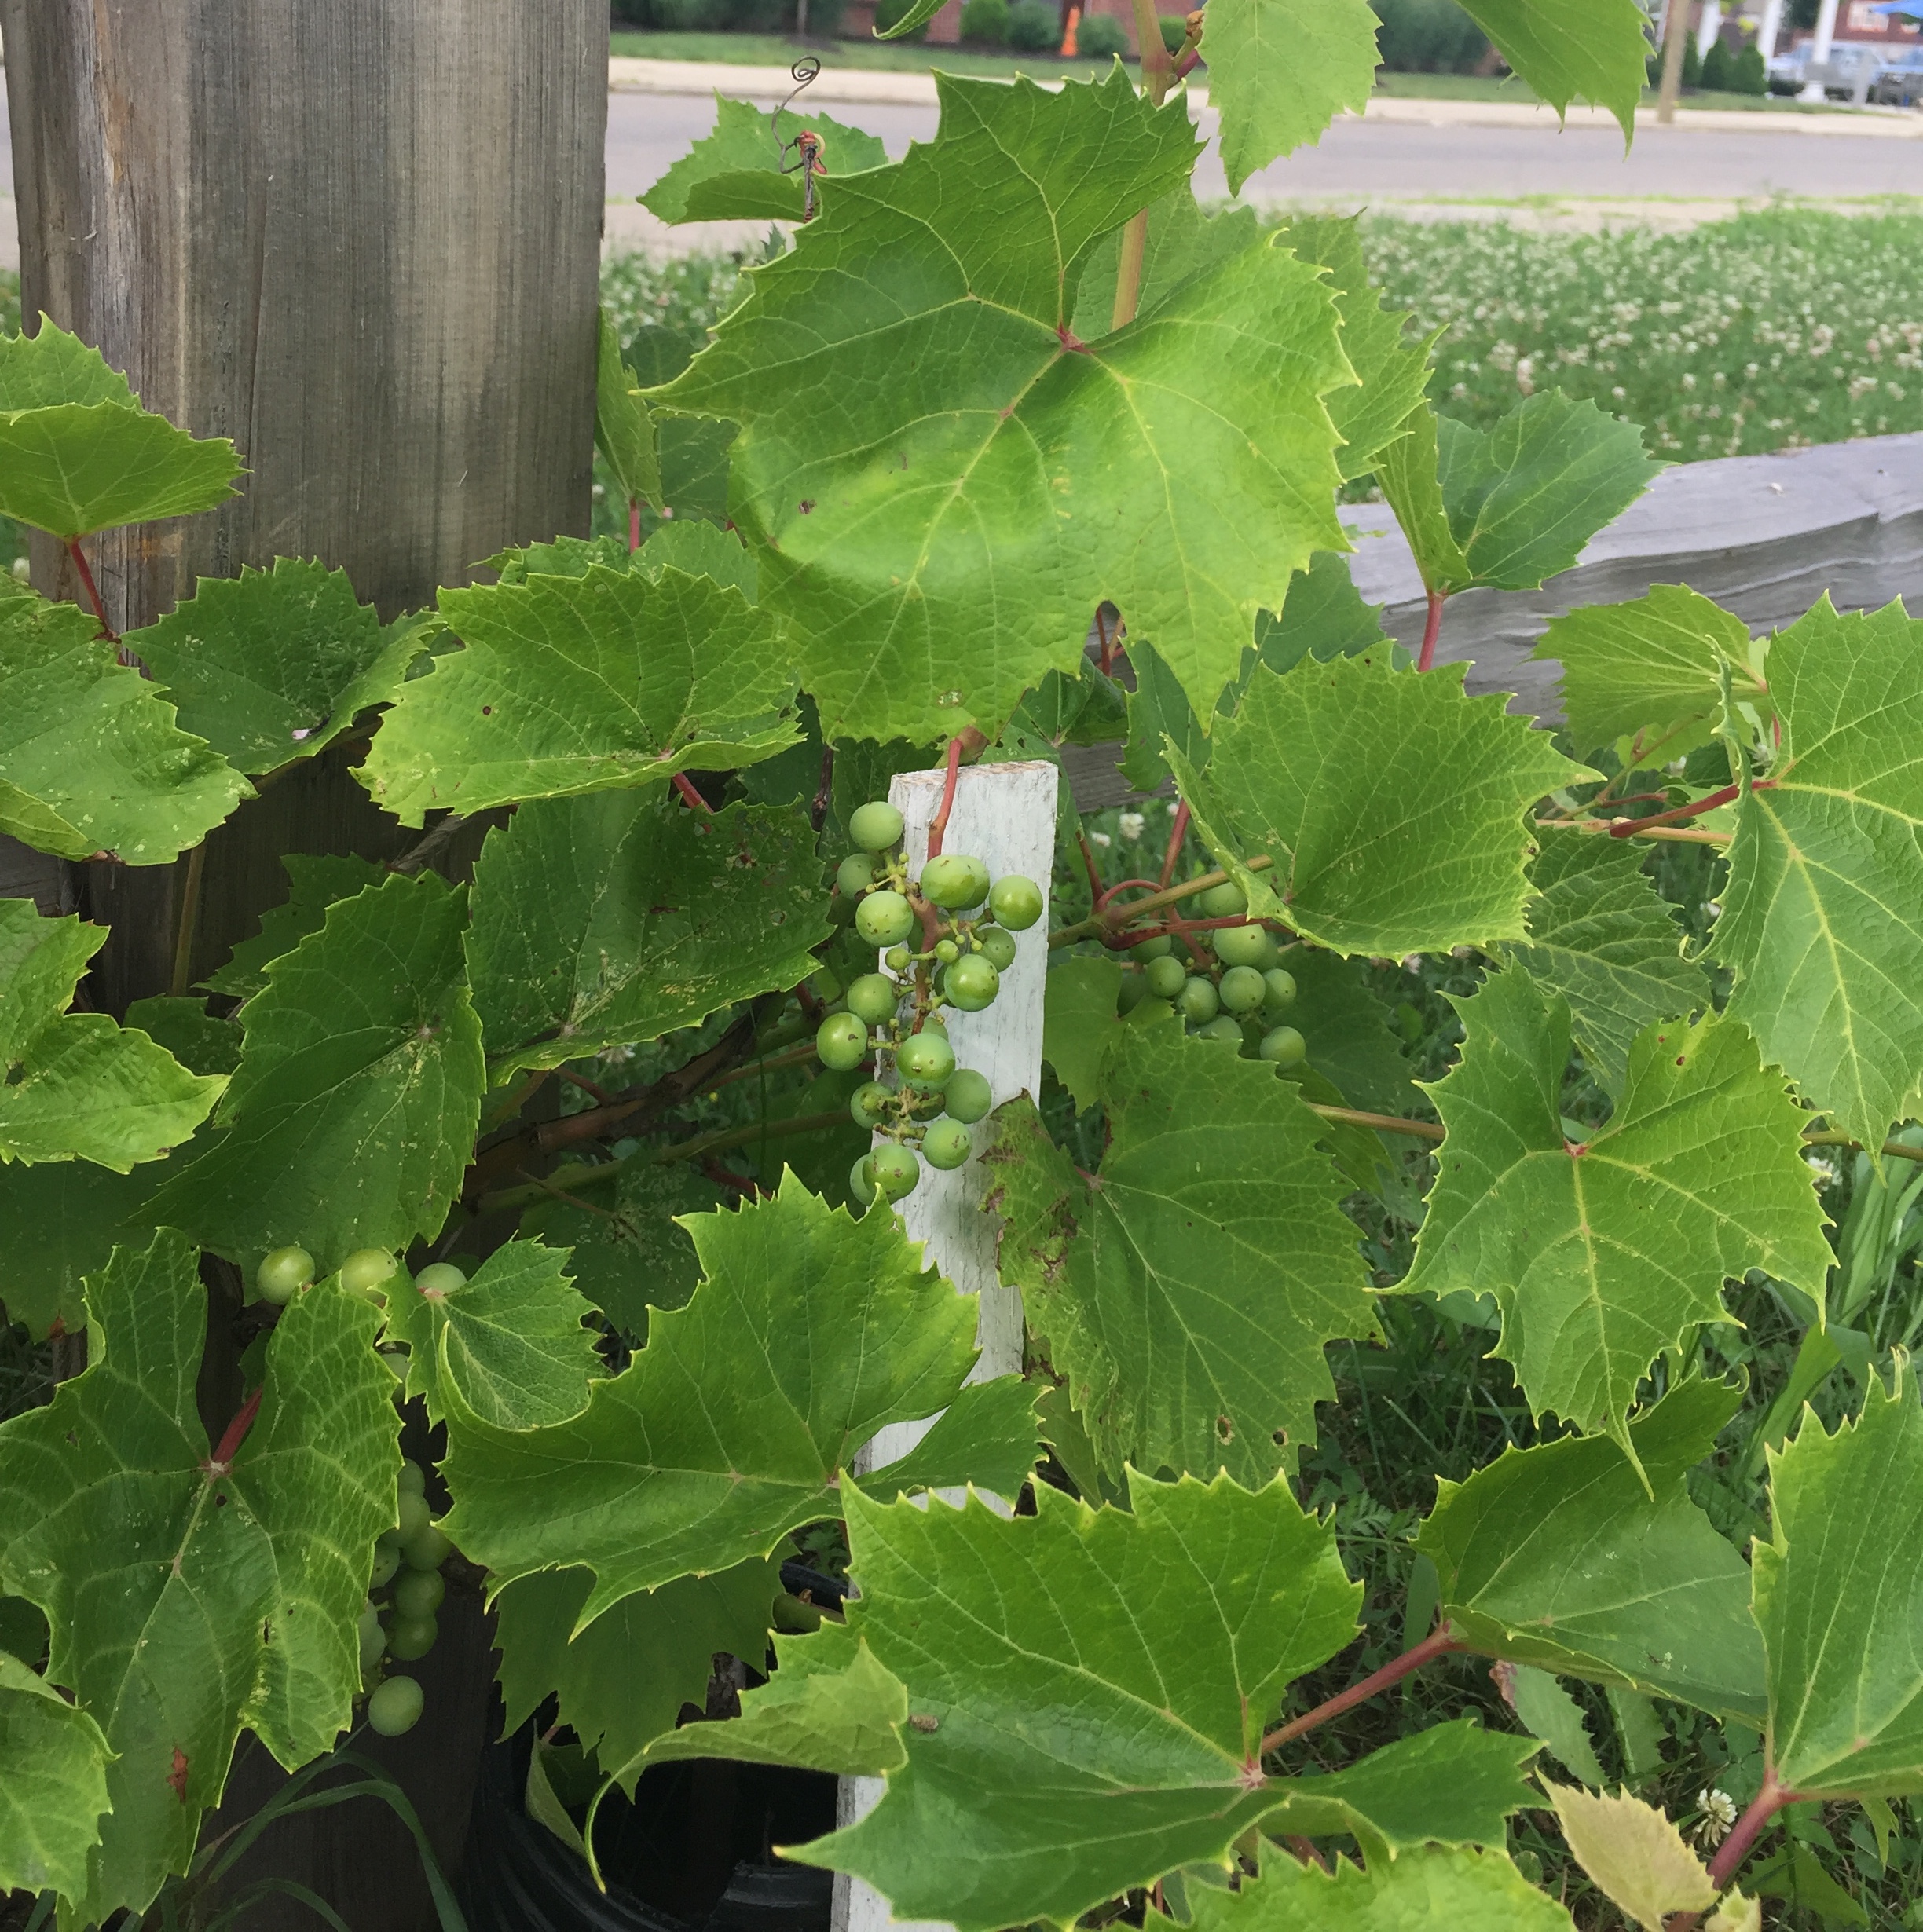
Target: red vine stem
column 1432, row 629
column 685, row 785
column 1178, row 832
column 229, row 1446
column 1087, row 861
column 1737, row 1846
column 1628, row 828
column 1121, row 885
column 634, row 522
column 938, row 825
column 1438, row 1644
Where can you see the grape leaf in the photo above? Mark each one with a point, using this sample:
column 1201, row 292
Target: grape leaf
column 1159, row 715
column 579, row 684
column 1181, row 242
column 1323, row 616
column 1098, row 1684
column 1419, row 1892
column 829, row 1707
column 94, row 759
column 1391, row 805
column 315, row 881
column 274, row 665
column 1280, row 71
column 349, row 1119
column 1602, row 936
column 1573, row 50
column 201, row 1043
column 1078, row 1023
column 624, row 429
column 1407, row 474
column 985, row 479
column 1187, row 1291
column 735, row 172
column 58, row 1223
column 507, row 1347
column 1836, row 1584
column 1602, row 1255
column 1650, row 669
column 621, row 1682
column 989, row 1430
column 188, row 1598
column 1636, row 1856
column 1557, row 1556
column 1350, row 1040
column 809, row 1332
column 609, row 920
column 1822, row 917
column 1548, row 1712
column 53, row 1785
column 702, row 550
column 76, row 1084
column 51, row 366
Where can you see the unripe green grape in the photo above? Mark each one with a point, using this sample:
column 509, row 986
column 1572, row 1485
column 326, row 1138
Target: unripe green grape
column 946, row 951
column 1159, row 947
column 978, row 881
column 896, row 959
column 1015, row 901
column 876, row 827
column 861, row 1181
column 1242, row 990
column 1285, row 1046
column 885, row 918
column 372, row 1638
column 967, row 1096
column 414, row 1517
column 394, row 1706
column 854, row 875
column 971, row 983
column 426, row 1551
column 440, row 1278
column 419, row 1593
column 934, row 1023
column 367, row 1269
column 946, row 1144
column 925, row 1058
column 841, row 1042
column 895, row 1169
column 409, row 1637
column 873, row 998
column 283, row 1274
column 868, row 1105
column 1222, row 901
column 1221, row 1028
column 1197, row 1001
column 996, row 947
column 386, row 1561
column 1281, row 987
column 1134, row 990
column 1165, row 976
column 412, row 1479
column 948, row 880
column 1245, row 946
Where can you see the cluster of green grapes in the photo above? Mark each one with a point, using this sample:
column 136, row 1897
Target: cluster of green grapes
column 895, row 1015
column 1240, row 1000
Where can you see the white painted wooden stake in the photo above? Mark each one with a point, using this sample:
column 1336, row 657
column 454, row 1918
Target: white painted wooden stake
column 1005, row 816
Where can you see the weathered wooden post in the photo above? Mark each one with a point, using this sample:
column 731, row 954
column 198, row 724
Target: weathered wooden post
column 1005, row 816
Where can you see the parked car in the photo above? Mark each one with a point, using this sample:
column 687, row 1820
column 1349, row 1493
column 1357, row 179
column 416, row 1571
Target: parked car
column 1900, row 82
column 1850, row 72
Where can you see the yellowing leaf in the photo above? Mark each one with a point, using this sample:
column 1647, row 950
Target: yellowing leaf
column 1633, row 1852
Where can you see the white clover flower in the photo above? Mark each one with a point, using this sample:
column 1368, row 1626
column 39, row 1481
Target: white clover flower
column 1719, row 1814
column 1131, row 824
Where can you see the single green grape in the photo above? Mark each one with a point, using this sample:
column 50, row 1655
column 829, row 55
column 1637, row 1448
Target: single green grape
column 971, row 983
column 896, row 959
column 1015, row 901
column 996, row 947
column 440, row 1278
column 862, row 1181
column 841, row 1042
column 1281, row 988
column 876, row 827
column 427, row 1550
column 1285, row 1046
column 373, row 1639
column 394, row 1706
column 386, row 1561
column 283, row 1274
column 868, row 1105
column 413, row 1480
column 1197, row 1001
column 1134, row 990
column 873, row 998
column 946, row 951
column 949, row 880
column 367, row 1269
column 896, row 1168
column 1222, row 901
column 925, row 1058
column 934, row 1023
column 409, row 1637
column 1222, row 1028
column 1159, row 947
column 1243, row 990
column 967, row 1096
column 1165, row 977
column 885, row 918
column 855, row 874
column 978, row 881
column 419, row 1593
column 1245, row 946
column 946, row 1144
column 413, row 1517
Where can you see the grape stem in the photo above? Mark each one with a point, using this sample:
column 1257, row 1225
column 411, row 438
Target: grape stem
column 1100, row 925
column 634, row 523
column 1737, row 1846
column 189, row 918
column 1087, row 861
column 1389, row 1123
column 1638, row 829
column 1177, row 833
column 938, row 825
column 685, row 785
column 229, row 1446
column 93, row 596
column 1432, row 629
column 1441, row 1642
column 1630, row 827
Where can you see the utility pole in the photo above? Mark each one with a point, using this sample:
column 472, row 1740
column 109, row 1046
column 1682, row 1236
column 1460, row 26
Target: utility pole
column 1676, row 33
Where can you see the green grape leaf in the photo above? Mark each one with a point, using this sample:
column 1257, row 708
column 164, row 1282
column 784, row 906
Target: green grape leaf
column 50, row 366
column 315, row 881
column 507, row 1347
column 1159, row 715
column 1548, row 1712
column 274, row 665
column 582, row 684
column 1566, row 50
column 201, row 1043
column 1079, row 1021
column 1836, row 1584
column 350, row 1118
column 1064, row 1745
column 1280, row 71
column 1390, row 805
column 703, row 1452
column 1822, row 917
column 76, row 1084
column 1187, row 1292
column 702, row 550
column 188, row 1598
column 53, row 1785
column 624, row 429
column 1602, row 936
column 985, row 478
column 1651, row 669
column 736, row 172
column 1323, row 616
column 1351, row 1044
column 1602, row 1255
column 58, row 1223
column 93, row 758
column 1557, row 1556
column 1407, row 472
column 610, row 920
column 990, row 1434
column 1451, row 1784
column 1181, row 241
column 563, row 557
column 621, row 1682
column 829, row 1707
column 1421, row 1891
column 917, row 13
